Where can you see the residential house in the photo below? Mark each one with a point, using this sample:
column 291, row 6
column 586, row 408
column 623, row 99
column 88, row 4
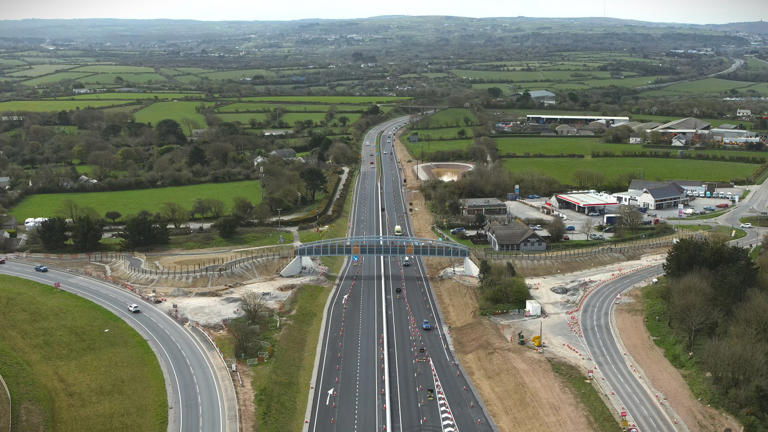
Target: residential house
column 635, row 140
column 514, row 236
column 284, row 153
column 5, row 182
column 490, row 207
column 565, row 129
column 744, row 114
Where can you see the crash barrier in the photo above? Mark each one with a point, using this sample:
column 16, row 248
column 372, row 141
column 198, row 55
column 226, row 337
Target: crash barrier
column 214, row 266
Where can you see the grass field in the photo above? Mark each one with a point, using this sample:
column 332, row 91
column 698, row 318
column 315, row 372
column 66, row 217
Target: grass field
column 128, row 78
column 327, row 99
column 178, row 111
column 441, row 133
column 282, row 384
column 54, row 78
column 135, row 96
column 115, row 69
column 70, row 374
column 237, row 74
column 297, row 107
column 708, row 86
column 451, row 117
column 650, row 168
column 54, row 105
column 244, row 118
column 244, row 237
column 558, row 145
column 435, row 146
column 39, row 69
column 133, row 201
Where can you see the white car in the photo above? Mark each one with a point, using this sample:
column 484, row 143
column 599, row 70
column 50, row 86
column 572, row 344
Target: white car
column 134, row 308
column 745, row 225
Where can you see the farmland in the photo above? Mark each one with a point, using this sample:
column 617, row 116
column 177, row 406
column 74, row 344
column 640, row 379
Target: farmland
column 649, row 168
column 133, row 201
column 135, row 96
column 451, row 117
column 55, row 105
column 178, row 111
column 69, row 374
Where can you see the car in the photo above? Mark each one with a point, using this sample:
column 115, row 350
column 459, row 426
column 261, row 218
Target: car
column 134, row 308
column 458, row 230
column 426, row 325
column 565, row 237
column 371, row 162
column 41, row 268
column 2, row 260
column 533, row 196
column 406, row 262
column 382, row 208
column 596, row 237
column 745, row 225
column 536, row 227
column 723, row 205
column 385, row 152
column 570, row 228
column 709, row 208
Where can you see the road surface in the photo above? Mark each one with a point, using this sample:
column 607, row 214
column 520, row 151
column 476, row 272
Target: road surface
column 196, row 399
column 376, row 364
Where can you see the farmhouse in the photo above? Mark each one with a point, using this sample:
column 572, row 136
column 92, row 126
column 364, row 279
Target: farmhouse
column 514, row 236
column 284, row 153
column 655, row 195
column 744, row 114
column 587, row 202
column 490, row 207
column 543, row 97
column 573, row 120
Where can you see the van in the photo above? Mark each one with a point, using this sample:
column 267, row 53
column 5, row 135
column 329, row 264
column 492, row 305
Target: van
column 398, row 230
column 406, row 262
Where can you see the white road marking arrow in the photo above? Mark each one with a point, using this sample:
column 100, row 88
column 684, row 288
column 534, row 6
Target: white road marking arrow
column 328, row 399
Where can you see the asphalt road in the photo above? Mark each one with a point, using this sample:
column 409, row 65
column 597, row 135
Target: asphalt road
column 353, row 391
column 600, row 338
column 195, row 399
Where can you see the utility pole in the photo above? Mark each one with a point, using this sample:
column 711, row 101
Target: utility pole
column 278, row 217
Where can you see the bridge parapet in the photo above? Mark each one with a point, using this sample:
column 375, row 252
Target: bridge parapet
column 383, row 246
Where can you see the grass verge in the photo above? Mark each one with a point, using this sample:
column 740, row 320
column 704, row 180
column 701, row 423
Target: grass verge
column 694, row 227
column 734, row 233
column 582, row 388
column 282, row 384
column 72, row 374
column 704, row 216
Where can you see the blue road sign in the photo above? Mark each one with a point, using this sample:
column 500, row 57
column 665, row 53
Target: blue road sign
column 354, row 258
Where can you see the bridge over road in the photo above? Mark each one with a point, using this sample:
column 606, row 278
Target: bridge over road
column 388, row 246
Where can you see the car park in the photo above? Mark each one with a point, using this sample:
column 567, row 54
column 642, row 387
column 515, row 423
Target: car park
column 41, row 268
column 134, row 308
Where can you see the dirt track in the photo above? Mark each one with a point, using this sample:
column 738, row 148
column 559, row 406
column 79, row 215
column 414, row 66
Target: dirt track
column 664, row 376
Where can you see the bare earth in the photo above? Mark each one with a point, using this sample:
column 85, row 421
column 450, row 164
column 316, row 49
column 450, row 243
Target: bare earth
column 664, row 376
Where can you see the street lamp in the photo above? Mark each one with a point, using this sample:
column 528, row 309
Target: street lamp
column 278, row 217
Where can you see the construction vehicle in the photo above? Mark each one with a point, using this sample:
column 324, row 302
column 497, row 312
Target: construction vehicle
column 520, row 338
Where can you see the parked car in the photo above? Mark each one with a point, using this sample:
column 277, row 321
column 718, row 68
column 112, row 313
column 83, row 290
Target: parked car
column 745, row 225
column 426, row 325
column 565, row 237
column 458, row 230
column 2, row 260
column 570, row 228
column 723, row 205
column 134, row 308
column 41, row 268
column 596, row 237
column 709, row 208
column 536, row 227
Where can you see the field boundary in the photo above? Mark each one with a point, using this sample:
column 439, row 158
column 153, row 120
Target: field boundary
column 10, row 406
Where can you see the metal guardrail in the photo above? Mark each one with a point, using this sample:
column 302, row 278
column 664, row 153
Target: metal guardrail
column 383, row 246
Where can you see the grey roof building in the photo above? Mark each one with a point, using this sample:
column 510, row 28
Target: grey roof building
column 285, row 153
column 514, row 236
column 486, row 206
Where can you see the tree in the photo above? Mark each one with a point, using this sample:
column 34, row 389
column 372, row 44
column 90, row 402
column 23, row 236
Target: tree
column 556, row 229
column 216, row 206
column 254, row 307
column 196, row 156
column 494, row 92
column 587, row 226
column 242, row 209
column 112, row 215
column 142, row 231
column 690, row 305
column 86, row 233
column 631, row 218
column 480, row 219
column 53, row 233
column 174, row 213
column 314, row 180
column 484, row 270
column 169, row 132
column 227, row 226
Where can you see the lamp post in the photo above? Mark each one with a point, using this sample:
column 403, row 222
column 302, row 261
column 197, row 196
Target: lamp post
column 278, row 217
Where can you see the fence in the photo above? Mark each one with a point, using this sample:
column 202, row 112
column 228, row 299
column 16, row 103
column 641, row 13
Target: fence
column 624, row 247
column 217, row 267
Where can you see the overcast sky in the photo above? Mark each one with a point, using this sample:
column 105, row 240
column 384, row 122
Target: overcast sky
column 683, row 11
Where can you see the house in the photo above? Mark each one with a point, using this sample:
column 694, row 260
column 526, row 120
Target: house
column 686, row 124
column 543, row 97
column 490, row 207
column 655, row 195
column 635, row 140
column 566, row 130
column 284, row 153
column 744, row 114
column 5, row 182
column 514, row 236
column 276, row 132
column 78, row 91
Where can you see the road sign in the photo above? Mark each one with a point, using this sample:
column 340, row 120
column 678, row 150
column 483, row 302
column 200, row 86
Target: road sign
column 354, row 258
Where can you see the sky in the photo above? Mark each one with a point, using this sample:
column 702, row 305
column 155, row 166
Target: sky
column 681, row 11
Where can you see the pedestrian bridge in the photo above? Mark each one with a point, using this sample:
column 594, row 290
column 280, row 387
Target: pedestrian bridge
column 391, row 246
column 383, row 246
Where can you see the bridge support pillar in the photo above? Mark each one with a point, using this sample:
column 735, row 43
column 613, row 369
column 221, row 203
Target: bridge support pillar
column 470, row 269
column 296, row 266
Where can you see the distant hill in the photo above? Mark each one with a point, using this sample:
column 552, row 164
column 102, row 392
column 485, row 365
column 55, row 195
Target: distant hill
column 756, row 27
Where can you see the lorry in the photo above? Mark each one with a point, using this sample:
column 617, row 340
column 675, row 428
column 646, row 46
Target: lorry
column 532, row 308
column 610, row 219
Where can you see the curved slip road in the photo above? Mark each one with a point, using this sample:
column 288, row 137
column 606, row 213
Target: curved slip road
column 376, row 363
column 600, row 336
column 195, row 395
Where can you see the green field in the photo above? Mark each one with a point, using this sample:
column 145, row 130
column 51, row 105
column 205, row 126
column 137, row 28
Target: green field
column 451, row 117
column 650, row 168
column 132, row 201
column 244, row 118
column 435, row 146
column 54, row 78
column 54, row 105
column 441, row 133
column 328, row 99
column 264, row 107
column 558, row 145
column 66, row 372
column 115, row 69
column 134, row 96
column 128, row 78
column 237, row 74
column 40, row 69
column 178, row 111
column 708, row 86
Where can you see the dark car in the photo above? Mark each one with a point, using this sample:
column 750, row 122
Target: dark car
column 570, row 228
column 2, row 260
column 41, row 268
column 533, row 196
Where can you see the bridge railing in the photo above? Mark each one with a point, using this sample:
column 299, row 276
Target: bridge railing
column 382, row 246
